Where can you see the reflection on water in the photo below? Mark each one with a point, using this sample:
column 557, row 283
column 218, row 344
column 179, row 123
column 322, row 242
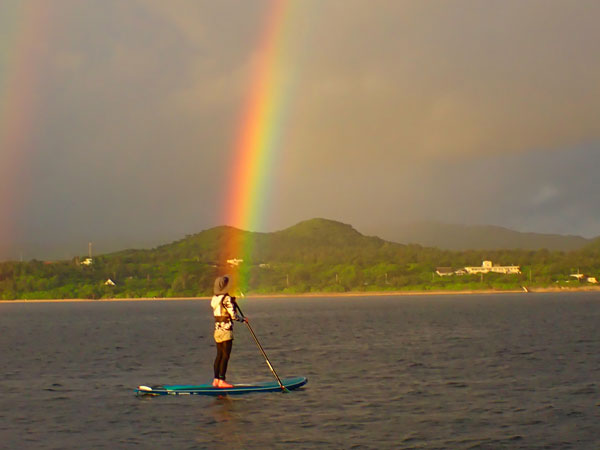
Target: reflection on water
column 500, row 371
column 218, row 418
column 222, row 409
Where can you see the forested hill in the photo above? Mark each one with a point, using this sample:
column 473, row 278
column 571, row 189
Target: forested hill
column 315, row 240
column 316, row 255
column 323, row 241
column 592, row 249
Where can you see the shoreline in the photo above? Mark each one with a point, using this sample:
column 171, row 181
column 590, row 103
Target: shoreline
column 324, row 294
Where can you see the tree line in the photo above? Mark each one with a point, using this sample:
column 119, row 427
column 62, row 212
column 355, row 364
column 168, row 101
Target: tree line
column 314, row 256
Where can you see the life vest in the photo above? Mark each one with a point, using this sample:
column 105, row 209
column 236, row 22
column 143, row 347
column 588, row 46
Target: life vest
column 220, row 312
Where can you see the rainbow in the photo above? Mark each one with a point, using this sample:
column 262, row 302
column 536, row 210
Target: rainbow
column 20, row 54
column 258, row 139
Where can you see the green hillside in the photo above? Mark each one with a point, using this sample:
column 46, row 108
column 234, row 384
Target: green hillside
column 316, row 255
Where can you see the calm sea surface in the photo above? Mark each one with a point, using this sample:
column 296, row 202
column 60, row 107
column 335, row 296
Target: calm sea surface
column 478, row 371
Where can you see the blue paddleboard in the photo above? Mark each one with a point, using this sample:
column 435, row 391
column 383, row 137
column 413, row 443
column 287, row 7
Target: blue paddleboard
column 208, row 389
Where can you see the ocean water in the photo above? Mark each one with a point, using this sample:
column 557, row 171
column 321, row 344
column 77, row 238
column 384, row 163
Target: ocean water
column 477, row 371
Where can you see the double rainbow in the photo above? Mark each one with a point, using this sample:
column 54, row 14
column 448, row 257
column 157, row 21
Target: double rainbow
column 20, row 53
column 255, row 148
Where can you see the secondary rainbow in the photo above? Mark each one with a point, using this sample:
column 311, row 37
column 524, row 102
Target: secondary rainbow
column 259, row 135
column 20, row 55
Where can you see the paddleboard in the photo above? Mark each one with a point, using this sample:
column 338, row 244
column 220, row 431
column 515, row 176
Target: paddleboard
column 208, row 389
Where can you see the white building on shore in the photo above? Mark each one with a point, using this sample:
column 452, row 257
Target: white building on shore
column 487, row 267
column 235, row 262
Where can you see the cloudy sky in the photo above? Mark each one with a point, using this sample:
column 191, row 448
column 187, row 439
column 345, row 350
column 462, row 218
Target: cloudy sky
column 118, row 117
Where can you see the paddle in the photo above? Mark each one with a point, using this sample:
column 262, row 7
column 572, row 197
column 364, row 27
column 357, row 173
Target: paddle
column 283, row 388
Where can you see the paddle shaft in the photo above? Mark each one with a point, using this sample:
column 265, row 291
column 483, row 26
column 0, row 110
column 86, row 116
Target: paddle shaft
column 262, row 351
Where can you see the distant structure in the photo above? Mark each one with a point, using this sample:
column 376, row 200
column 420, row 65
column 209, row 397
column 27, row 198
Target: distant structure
column 577, row 275
column 487, row 267
column 234, row 262
column 109, row 282
column 444, row 271
column 88, row 261
column 583, row 277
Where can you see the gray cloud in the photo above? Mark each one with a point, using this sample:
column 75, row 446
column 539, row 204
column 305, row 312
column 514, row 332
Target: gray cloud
column 454, row 78
column 396, row 110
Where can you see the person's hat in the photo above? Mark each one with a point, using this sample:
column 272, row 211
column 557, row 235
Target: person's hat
column 221, row 285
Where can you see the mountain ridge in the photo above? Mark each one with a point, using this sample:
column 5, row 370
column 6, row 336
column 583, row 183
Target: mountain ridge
column 457, row 237
column 453, row 237
column 317, row 255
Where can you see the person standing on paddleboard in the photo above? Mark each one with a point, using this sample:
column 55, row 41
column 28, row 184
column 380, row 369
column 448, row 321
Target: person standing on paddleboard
column 225, row 312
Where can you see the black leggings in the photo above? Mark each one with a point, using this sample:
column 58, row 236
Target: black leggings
column 223, row 353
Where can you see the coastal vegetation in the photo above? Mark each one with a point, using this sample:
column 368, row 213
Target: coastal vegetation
column 317, row 255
